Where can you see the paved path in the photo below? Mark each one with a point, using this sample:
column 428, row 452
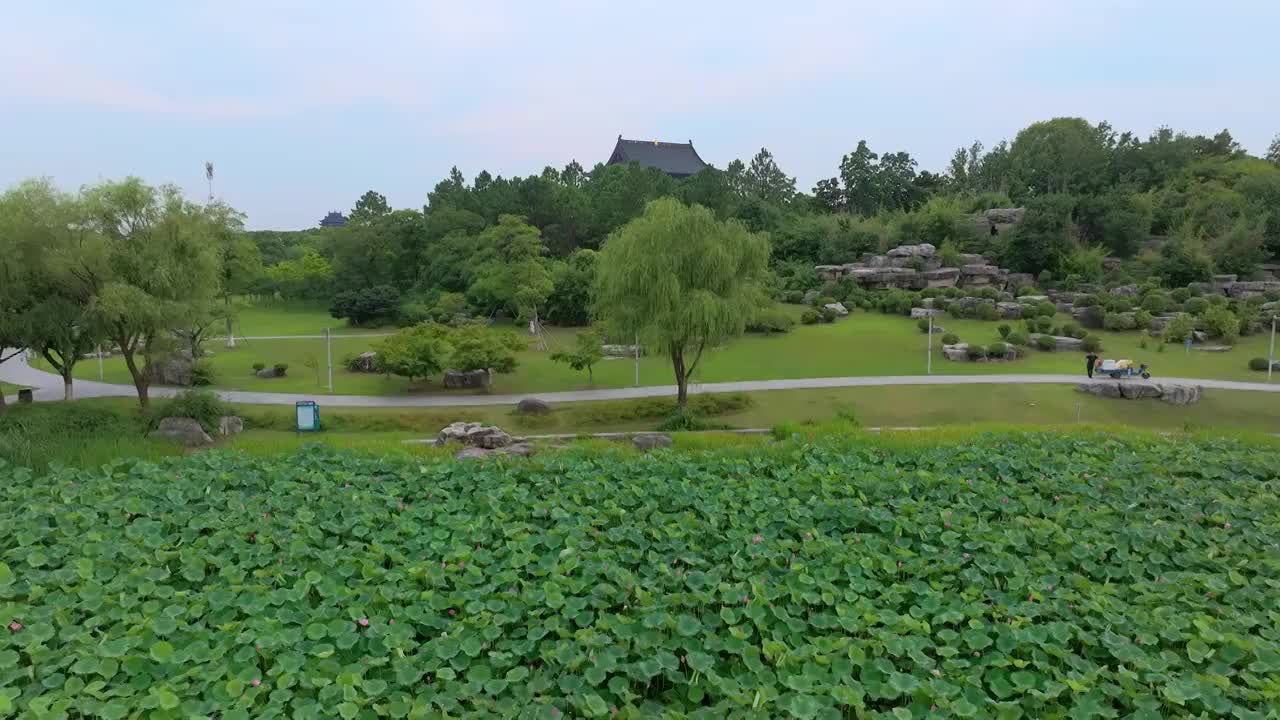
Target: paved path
column 49, row 387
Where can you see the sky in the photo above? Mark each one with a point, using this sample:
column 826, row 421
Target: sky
column 302, row 105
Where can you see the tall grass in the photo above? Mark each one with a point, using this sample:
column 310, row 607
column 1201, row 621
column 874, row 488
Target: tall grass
column 75, row 434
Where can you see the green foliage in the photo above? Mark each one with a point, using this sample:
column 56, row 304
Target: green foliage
column 1044, row 323
column 1258, row 363
column 949, row 255
column 1221, row 323
column 1178, row 329
column 986, row 311
column 1045, row 342
column 586, row 354
column 415, row 352
column 1004, row 329
column 1092, row 343
column 771, row 320
column 1018, row 339
column 1156, row 302
column 682, row 420
column 479, row 347
column 1046, row 309
column 259, row 366
column 1116, row 322
column 809, row 317
column 366, row 305
column 1183, row 261
column 895, row 302
column 997, row 350
column 950, row 339
column 827, row 314
column 200, row 405
column 193, row 541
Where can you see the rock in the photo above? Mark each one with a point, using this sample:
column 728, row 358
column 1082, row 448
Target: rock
column 1101, row 388
column 1270, row 306
column 1111, row 263
column 1137, row 390
column 997, row 221
column 1199, row 336
column 909, row 251
column 1246, row 290
column 812, row 295
column 185, row 431
column 1222, row 284
column 838, row 308
column 650, row 441
column 365, row 362
column 1060, row 342
column 267, row 373
column 969, row 303
column 1021, row 280
column 1009, row 310
column 629, row 351
column 941, row 277
column 474, row 434
column 1180, row 394
column 938, row 328
column 478, row 453
column 456, row 379
column 1127, row 290
column 1032, row 299
column 931, row 303
column 230, row 425
column 957, row 353
column 1065, row 307
column 519, row 449
column 175, row 368
column 533, row 406
column 1212, row 348
column 921, row 313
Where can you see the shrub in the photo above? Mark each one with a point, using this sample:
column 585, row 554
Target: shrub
column 1070, row 329
column 1092, row 343
column 997, row 350
column 379, row 302
column 1258, row 364
column 1117, row 303
column 1271, row 296
column 950, row 339
column 986, row 311
column 1181, row 294
column 1142, row 319
column 793, row 297
column 1045, row 342
column 1156, row 303
column 1004, row 329
column 923, row 324
column 976, row 352
column 771, row 320
column 896, row 302
column 1026, row 290
column 1044, row 324
column 1144, row 339
column 1017, row 338
column 202, row 374
column 1178, row 329
column 1046, row 309
column 809, row 317
column 685, row 421
column 986, row 293
column 828, row 314
column 1196, row 305
column 823, row 300
column 956, row 310
column 280, row 368
column 1056, row 330
column 259, row 366
column 203, row 406
column 1116, row 322
column 1221, row 323
column 1093, row 317
column 1085, row 300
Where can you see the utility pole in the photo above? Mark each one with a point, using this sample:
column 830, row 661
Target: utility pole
column 328, row 353
column 929, row 361
column 1271, row 353
column 100, row 376
column 637, row 354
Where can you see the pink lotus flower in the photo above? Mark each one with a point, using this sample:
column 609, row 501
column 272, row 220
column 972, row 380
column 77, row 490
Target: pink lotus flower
column 452, row 611
column 933, row 708
column 554, row 712
column 745, row 599
column 255, row 682
column 757, row 538
column 1051, row 587
column 401, row 506
column 946, row 525
column 363, row 622
column 1004, row 500
column 461, row 564
column 15, row 626
column 258, row 648
column 1226, row 526
column 392, row 621
column 966, row 556
column 1057, row 497
column 937, row 672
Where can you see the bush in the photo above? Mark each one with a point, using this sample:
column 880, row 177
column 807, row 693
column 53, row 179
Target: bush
column 828, row 315
column 1221, row 323
column 1258, row 364
column 986, row 293
column 1092, row 343
column 1004, row 329
column 986, row 311
column 685, row 421
column 1070, row 329
column 1044, row 324
column 1086, row 300
column 1046, row 309
column 976, row 352
column 1026, row 290
column 1017, row 338
column 950, row 339
column 1142, row 319
column 896, row 302
column 1046, row 343
column 203, row 406
column 1156, row 303
column 379, row 302
column 280, row 368
column 771, row 320
column 1119, row 321
column 956, row 310
column 997, row 350
column 1117, row 303
column 923, row 324
column 793, row 297
column 202, row 374
column 823, row 300
column 1196, row 305
column 1181, row 295
column 809, row 317
column 259, row 366
column 1093, row 317
column 1178, row 329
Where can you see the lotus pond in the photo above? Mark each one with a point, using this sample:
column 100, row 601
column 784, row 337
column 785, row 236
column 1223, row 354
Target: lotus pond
column 1021, row 575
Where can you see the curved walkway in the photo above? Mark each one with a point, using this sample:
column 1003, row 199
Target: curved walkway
column 48, row 387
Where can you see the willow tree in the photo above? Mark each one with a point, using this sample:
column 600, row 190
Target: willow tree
column 681, row 281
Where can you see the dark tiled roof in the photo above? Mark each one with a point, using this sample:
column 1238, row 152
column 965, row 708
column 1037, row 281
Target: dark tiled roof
column 333, row 219
column 675, row 159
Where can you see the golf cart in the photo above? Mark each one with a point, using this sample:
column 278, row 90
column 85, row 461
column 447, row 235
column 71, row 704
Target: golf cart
column 1121, row 369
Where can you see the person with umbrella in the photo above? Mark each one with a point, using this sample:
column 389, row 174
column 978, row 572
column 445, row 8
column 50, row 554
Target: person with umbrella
column 1090, row 361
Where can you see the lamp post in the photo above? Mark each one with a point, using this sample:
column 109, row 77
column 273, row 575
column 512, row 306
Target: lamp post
column 1271, row 353
column 929, row 356
column 328, row 353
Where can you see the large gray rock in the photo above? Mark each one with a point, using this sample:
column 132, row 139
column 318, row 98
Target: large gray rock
column 812, row 295
column 909, row 251
column 650, row 441
column 365, row 362
column 1222, row 284
column 1180, row 394
column 1010, row 310
column 1246, row 290
column 185, row 431
column 1032, row 299
column 1021, row 280
column 1060, row 342
column 956, row 353
column 1172, row 393
column 1101, row 388
column 267, row 373
column 474, row 434
column 1126, row 290
column 456, row 379
column 230, row 425
column 173, row 368
column 533, row 406
column 838, row 308
column 997, row 221
column 921, row 313
column 1135, row 390
column 941, row 277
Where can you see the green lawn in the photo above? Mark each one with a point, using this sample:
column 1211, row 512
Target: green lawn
column 288, row 318
column 862, row 344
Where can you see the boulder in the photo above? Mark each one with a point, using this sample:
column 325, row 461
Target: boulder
column 1020, row 280
column 838, row 308
column 920, row 313
column 1222, row 284
column 997, row 221
column 457, row 379
column 932, row 303
column 185, row 431
column 938, row 328
column 174, row 368
column 1101, row 388
column 533, row 406
column 365, row 362
column 1268, row 307
column 941, row 277
column 1064, row 307
column 1032, row 299
column 472, row 453
column 267, row 373
column 924, row 250
column 1009, row 310
column 650, row 441
column 809, row 297
column 1111, row 263
column 957, row 353
column 1126, row 290
column 474, row 434
column 230, row 425
column 1060, row 342
column 1212, row 348
column 1246, row 290
column 1137, row 390
column 1175, row 394
column 1172, row 393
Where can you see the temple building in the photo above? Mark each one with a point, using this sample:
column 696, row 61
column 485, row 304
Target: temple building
column 334, row 219
column 679, row 160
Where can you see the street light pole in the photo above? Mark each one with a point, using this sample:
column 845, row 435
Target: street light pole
column 328, row 352
column 100, row 377
column 929, row 361
column 637, row 353
column 1271, row 353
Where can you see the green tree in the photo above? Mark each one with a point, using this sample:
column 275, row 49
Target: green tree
column 163, row 265
column 570, row 301
column 1240, row 251
column 1183, row 260
column 1221, row 323
column 479, row 347
column 586, row 353
column 510, row 273
column 1273, row 150
column 416, row 352
column 1062, row 155
column 371, row 206
column 682, row 281
column 238, row 258
column 1041, row 242
column 765, row 180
